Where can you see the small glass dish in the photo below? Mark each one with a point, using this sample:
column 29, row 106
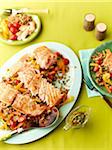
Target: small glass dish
column 78, row 117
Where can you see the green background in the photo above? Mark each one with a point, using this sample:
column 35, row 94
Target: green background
column 64, row 23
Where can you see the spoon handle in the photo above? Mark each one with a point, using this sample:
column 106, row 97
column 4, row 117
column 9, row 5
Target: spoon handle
column 9, row 135
column 5, row 137
column 37, row 11
column 33, row 11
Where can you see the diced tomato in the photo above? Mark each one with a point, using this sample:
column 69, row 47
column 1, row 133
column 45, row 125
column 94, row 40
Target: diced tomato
column 111, row 74
column 66, row 61
column 57, row 54
column 50, row 77
column 99, row 62
column 96, row 68
column 10, row 25
column 13, row 29
column 12, row 124
column 110, row 88
column 17, row 82
column 13, row 37
column 54, row 109
column 55, row 69
column 16, row 25
column 52, row 73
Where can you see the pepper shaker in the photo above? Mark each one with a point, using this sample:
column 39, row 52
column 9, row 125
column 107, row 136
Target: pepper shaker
column 89, row 20
column 100, row 32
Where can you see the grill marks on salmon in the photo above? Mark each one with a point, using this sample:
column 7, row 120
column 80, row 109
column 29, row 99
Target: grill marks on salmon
column 26, row 75
column 7, row 93
column 44, row 57
column 26, row 105
column 46, row 91
column 39, row 86
column 34, row 85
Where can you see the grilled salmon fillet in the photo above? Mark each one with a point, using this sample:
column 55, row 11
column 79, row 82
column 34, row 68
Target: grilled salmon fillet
column 26, row 105
column 44, row 57
column 46, row 91
column 26, row 75
column 7, row 93
column 15, row 68
column 19, row 65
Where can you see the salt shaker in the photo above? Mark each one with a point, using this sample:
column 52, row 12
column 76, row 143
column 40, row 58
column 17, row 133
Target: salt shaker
column 100, row 31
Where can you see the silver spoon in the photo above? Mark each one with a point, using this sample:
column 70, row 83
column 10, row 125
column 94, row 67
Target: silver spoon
column 20, row 130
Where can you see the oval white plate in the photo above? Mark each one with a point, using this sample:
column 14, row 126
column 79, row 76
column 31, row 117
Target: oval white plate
column 75, row 85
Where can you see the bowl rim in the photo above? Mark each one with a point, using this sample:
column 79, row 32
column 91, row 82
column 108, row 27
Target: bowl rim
column 89, row 74
column 29, row 38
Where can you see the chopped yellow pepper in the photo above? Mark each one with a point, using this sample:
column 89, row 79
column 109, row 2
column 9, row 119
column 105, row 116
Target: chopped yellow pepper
column 106, row 78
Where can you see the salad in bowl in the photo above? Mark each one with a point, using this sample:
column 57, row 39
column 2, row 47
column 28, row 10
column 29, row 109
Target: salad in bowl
column 100, row 68
column 20, row 28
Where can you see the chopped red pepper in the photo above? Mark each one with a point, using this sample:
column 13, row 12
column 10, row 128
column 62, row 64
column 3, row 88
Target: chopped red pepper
column 96, row 68
column 66, row 61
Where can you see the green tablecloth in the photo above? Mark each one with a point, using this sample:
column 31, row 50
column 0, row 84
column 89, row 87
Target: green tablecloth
column 64, row 23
